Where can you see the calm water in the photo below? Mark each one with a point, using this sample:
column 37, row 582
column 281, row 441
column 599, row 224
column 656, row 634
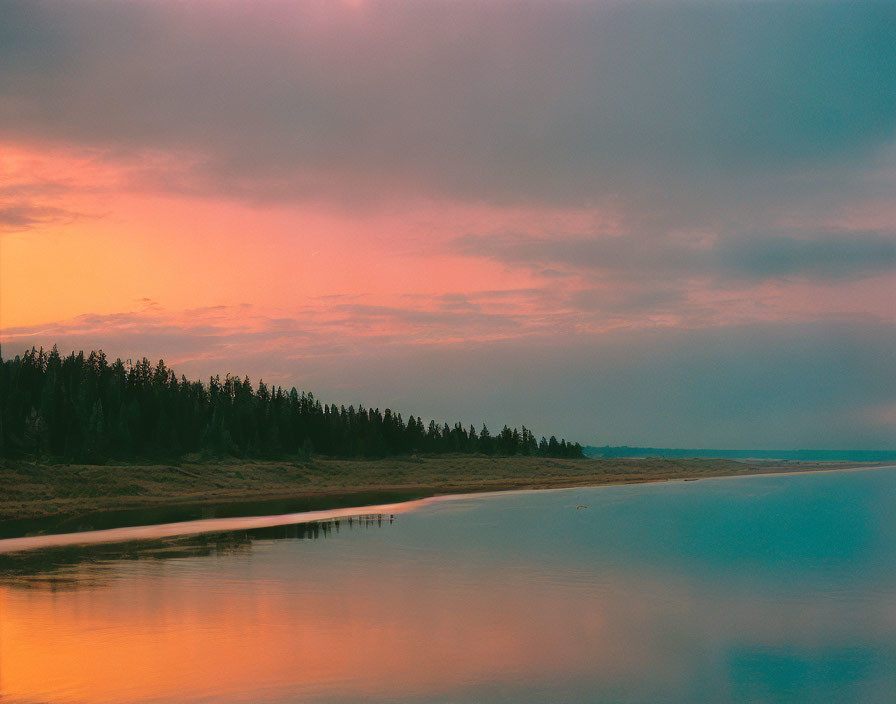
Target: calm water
column 741, row 590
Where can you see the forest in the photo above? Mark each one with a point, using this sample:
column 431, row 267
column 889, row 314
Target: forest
column 85, row 409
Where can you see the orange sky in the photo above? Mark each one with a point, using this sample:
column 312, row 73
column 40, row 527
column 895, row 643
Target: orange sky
column 118, row 243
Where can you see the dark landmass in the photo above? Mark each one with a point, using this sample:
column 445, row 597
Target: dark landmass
column 81, row 436
column 32, row 490
column 608, row 451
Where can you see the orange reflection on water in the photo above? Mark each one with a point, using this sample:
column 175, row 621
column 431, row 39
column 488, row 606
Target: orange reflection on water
column 163, row 632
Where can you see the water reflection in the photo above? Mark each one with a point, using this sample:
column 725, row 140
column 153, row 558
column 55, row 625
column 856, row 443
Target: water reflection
column 206, row 525
column 81, row 566
column 699, row 592
column 104, row 520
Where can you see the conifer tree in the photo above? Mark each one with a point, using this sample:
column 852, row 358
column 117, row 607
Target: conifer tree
column 85, row 409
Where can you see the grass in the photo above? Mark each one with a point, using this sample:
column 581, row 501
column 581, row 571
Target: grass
column 32, row 490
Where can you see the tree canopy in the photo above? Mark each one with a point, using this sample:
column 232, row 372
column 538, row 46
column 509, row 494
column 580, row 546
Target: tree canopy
column 85, row 409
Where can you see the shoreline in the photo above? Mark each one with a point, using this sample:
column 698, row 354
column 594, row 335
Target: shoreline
column 215, row 525
column 34, row 491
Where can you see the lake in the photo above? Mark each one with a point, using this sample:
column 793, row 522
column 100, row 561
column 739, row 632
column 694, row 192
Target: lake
column 753, row 589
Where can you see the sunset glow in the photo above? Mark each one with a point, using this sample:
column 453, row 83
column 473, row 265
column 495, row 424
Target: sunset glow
column 583, row 191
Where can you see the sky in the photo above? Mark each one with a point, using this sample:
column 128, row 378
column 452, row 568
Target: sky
column 653, row 223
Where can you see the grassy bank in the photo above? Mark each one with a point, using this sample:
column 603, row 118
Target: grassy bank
column 30, row 490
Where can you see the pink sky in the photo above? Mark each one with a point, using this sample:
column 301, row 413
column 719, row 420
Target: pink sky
column 249, row 190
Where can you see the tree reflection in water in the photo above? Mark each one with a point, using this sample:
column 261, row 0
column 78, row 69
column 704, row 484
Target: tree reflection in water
column 77, row 566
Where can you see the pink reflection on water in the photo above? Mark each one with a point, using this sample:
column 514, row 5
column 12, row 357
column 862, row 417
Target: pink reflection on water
column 166, row 632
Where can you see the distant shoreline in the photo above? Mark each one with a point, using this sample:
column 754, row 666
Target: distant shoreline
column 857, row 456
column 33, row 490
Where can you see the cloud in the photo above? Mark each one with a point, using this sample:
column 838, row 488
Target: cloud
column 700, row 278
column 827, row 256
column 568, row 102
column 813, row 255
column 329, row 328
column 25, row 216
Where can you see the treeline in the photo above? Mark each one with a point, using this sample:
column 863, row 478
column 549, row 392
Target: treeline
column 84, row 409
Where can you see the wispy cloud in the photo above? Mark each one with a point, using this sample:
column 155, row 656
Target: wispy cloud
column 703, row 278
column 25, row 216
column 330, row 328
